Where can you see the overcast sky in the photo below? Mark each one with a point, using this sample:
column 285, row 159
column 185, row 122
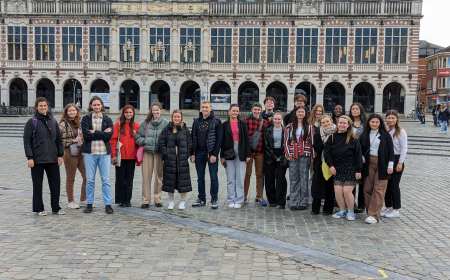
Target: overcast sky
column 434, row 24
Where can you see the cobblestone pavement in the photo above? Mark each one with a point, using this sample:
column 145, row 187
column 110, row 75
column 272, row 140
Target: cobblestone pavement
column 416, row 244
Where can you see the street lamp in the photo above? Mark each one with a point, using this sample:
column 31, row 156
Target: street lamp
column 74, row 82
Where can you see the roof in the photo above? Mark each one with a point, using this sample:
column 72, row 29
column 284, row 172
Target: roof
column 424, row 43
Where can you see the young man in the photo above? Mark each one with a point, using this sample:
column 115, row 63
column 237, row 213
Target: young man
column 97, row 131
column 269, row 104
column 44, row 151
column 299, row 100
column 207, row 136
column 253, row 123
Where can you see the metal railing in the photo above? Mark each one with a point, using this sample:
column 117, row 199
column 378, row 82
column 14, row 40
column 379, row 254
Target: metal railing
column 16, row 110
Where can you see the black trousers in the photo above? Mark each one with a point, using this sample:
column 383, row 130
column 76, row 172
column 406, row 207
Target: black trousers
column 54, row 182
column 392, row 197
column 124, row 180
column 361, row 203
column 329, row 199
column 275, row 182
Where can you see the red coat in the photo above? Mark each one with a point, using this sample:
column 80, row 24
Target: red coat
column 129, row 147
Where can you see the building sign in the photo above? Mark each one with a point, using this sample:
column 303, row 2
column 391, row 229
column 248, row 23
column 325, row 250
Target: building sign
column 429, row 91
column 434, row 84
column 103, row 96
column 444, row 72
column 221, row 101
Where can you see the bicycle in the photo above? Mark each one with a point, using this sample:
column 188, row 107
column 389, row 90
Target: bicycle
column 413, row 112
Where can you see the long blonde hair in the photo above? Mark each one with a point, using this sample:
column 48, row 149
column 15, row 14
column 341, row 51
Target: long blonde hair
column 398, row 128
column 312, row 117
column 350, row 133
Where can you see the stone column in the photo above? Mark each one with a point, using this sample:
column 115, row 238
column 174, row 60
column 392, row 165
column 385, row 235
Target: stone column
column 378, row 101
column 58, row 100
column 145, row 42
column 174, row 98
column 234, row 97
column 114, row 41
column 86, row 97
column 144, row 99
column 348, row 99
column 31, row 97
column 114, row 100
column 174, row 43
column 4, row 94
column 262, row 95
column 319, row 97
column 410, row 99
column 206, row 48
column 290, row 101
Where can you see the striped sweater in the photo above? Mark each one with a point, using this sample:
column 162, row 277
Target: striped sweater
column 297, row 148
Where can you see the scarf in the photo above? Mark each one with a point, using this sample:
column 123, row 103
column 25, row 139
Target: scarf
column 325, row 131
column 253, row 117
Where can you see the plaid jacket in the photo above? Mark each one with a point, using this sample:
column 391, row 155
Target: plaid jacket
column 67, row 134
column 253, row 125
column 298, row 148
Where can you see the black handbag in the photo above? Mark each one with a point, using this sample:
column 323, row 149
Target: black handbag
column 229, row 154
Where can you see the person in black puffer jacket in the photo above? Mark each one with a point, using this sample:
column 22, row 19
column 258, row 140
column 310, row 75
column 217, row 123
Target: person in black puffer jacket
column 44, row 150
column 175, row 145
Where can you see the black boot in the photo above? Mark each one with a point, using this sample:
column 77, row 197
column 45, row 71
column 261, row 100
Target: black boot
column 88, row 208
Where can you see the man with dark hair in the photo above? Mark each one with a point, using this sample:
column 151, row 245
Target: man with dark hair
column 97, row 130
column 207, row 136
column 269, row 105
column 44, row 150
column 299, row 100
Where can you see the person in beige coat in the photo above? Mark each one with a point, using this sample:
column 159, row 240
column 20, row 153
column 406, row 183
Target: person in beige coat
column 72, row 139
column 147, row 136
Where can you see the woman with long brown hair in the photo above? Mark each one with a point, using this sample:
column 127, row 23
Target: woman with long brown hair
column 147, row 136
column 298, row 148
column 123, row 143
column 317, row 111
column 175, row 144
column 72, row 139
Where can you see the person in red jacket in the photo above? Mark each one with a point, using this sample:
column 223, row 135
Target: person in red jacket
column 125, row 133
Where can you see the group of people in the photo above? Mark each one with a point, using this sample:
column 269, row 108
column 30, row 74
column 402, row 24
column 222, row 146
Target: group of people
column 326, row 156
column 441, row 116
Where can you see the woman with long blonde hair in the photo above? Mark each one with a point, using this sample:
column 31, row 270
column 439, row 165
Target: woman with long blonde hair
column 72, row 138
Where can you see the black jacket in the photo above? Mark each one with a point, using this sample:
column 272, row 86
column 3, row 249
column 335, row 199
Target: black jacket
column 86, row 125
column 269, row 121
column 385, row 154
column 214, row 138
column 318, row 188
column 444, row 116
column 244, row 140
column 269, row 157
column 176, row 174
column 47, row 145
column 338, row 153
column 288, row 118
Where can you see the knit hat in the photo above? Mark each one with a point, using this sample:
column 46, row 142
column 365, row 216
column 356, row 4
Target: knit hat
column 257, row 104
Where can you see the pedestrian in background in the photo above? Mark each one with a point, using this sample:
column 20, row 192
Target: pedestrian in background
column 444, row 116
column 276, row 163
column 148, row 136
column 298, row 147
column 44, row 151
column 322, row 188
column 256, row 124
column 359, row 118
column 338, row 111
column 423, row 112
column 97, row 131
column 175, row 145
column 392, row 199
column 207, row 137
column 123, row 144
column 343, row 155
column 72, row 138
column 234, row 155
column 378, row 149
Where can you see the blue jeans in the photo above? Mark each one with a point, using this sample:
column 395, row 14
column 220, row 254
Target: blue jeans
column 201, row 158
column 104, row 166
column 444, row 126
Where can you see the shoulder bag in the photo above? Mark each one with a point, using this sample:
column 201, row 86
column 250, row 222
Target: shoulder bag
column 325, row 168
column 118, row 146
column 140, row 151
column 254, row 140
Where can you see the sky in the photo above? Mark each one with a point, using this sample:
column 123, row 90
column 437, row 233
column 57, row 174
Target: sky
column 434, row 24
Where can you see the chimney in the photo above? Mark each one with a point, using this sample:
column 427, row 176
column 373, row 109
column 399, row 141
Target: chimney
column 428, row 49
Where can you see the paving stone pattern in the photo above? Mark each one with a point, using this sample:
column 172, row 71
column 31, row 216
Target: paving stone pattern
column 416, row 244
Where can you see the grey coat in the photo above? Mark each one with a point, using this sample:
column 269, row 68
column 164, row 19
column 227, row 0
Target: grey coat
column 153, row 132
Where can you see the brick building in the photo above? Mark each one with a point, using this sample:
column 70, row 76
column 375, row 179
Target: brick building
column 132, row 52
column 438, row 77
column 425, row 49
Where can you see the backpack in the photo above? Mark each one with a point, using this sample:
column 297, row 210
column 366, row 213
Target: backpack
column 34, row 121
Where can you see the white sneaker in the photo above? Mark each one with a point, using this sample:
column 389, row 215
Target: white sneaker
column 237, row 206
column 230, row 205
column 171, row 204
column 393, row 214
column 73, row 205
column 371, row 220
column 83, row 203
column 182, row 205
column 384, row 212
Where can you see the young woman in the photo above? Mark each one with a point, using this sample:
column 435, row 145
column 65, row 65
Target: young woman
column 298, row 147
column 124, row 132
column 321, row 188
column 276, row 163
column 317, row 111
column 338, row 111
column 358, row 116
column 147, row 136
column 378, row 150
column 392, row 199
column 444, row 115
column 72, row 139
column 234, row 155
column 175, row 145
column 343, row 155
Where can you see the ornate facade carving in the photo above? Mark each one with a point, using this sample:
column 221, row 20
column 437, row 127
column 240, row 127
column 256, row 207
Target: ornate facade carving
column 16, row 6
column 129, row 8
column 190, row 8
column 160, row 8
column 205, row 77
column 144, row 76
column 174, row 77
column 114, row 74
column 308, row 6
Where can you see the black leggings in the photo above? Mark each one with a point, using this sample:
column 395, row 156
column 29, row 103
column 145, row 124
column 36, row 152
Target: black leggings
column 124, row 180
column 392, row 197
column 54, row 183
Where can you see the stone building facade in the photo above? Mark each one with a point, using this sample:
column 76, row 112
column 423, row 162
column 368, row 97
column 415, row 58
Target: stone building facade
column 132, row 52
